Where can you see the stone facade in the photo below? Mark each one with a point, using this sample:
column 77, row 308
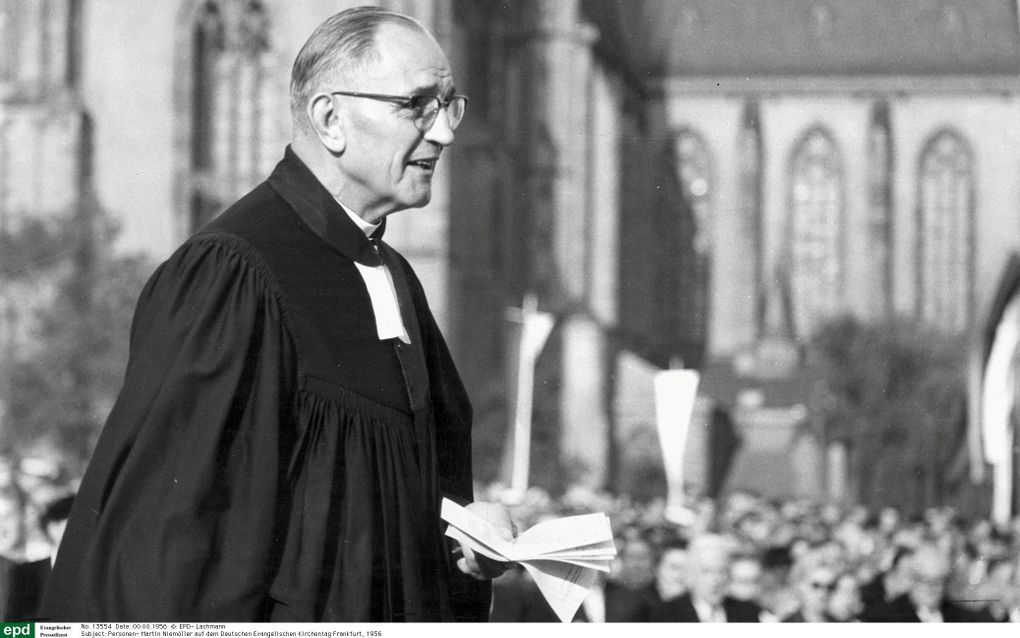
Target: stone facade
column 884, row 183
column 679, row 181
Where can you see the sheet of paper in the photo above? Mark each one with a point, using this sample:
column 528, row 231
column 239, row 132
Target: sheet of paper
column 564, row 586
column 478, row 529
column 564, row 556
column 563, row 533
column 605, row 550
column 600, row 565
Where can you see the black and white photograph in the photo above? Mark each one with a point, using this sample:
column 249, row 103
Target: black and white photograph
column 508, row 311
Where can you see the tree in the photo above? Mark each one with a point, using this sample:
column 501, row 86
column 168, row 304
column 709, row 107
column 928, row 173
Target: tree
column 896, row 397
column 69, row 298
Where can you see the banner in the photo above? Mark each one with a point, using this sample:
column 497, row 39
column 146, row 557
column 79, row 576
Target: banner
column 675, row 393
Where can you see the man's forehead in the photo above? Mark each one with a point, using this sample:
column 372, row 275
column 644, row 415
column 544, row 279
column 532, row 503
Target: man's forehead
column 414, row 57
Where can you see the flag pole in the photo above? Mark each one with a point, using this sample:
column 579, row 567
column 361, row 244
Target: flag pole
column 535, row 328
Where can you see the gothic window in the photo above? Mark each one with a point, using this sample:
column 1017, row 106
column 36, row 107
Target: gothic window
column 945, row 231
column 821, row 21
column 8, row 41
column 880, row 159
column 207, row 48
column 695, row 175
column 815, row 256
column 229, row 115
column 695, row 167
column 749, row 156
column 691, row 21
column 951, row 20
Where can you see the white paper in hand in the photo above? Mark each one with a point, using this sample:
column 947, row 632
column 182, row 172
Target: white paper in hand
column 563, row 556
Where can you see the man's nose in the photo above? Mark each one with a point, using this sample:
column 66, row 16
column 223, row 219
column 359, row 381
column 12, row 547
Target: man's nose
column 440, row 131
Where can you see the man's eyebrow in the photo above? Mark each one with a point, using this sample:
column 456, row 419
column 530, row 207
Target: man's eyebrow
column 433, row 89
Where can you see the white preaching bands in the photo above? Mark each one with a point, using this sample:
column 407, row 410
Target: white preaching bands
column 388, row 322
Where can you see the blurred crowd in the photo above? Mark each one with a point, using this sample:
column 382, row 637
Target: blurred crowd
column 737, row 559
column 35, row 503
column 747, row 559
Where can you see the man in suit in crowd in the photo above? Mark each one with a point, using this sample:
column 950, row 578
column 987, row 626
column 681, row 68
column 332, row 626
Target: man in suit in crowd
column 516, row 598
column 670, row 580
column 708, row 581
column 926, row 600
column 891, row 583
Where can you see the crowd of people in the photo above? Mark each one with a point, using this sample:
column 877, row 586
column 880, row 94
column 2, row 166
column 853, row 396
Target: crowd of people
column 736, row 559
column 34, row 508
column 746, row 559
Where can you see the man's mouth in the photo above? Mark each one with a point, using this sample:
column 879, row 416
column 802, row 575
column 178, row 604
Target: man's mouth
column 427, row 164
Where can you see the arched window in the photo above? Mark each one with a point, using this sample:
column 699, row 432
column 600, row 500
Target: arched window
column 880, row 163
column 8, row 41
column 696, row 177
column 5, row 174
column 945, row 232
column 695, row 167
column 750, row 156
column 208, row 43
column 821, row 21
column 815, row 256
column 228, row 118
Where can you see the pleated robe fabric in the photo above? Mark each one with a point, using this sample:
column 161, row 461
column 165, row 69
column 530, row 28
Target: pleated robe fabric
column 269, row 458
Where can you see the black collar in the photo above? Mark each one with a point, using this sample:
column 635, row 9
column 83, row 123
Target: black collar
column 296, row 184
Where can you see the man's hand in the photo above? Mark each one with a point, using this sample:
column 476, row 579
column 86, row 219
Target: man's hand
column 483, row 567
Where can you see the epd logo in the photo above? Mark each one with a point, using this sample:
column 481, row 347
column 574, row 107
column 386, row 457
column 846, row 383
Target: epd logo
column 16, row 629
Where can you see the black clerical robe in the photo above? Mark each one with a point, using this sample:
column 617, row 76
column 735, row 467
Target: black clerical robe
column 269, row 457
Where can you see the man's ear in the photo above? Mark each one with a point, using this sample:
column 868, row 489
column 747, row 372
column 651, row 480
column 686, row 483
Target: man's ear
column 327, row 123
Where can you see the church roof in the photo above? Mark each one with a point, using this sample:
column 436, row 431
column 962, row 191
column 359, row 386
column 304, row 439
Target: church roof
column 809, row 37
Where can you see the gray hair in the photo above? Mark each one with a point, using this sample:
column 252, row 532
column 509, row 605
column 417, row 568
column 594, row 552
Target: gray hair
column 343, row 44
column 708, row 544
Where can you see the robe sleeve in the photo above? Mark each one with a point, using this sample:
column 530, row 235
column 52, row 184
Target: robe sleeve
column 180, row 508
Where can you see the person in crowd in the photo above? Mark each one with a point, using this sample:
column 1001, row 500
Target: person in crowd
column 708, row 581
column 777, row 596
column 890, row 584
column 291, row 417
column 814, row 583
column 635, row 564
column 26, row 580
column 12, row 540
column 745, row 578
column 926, row 600
column 54, row 521
column 1002, row 589
column 845, row 599
column 669, row 583
column 516, row 598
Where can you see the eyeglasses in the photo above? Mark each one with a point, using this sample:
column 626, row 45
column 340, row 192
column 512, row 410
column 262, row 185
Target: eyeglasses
column 424, row 107
column 823, row 586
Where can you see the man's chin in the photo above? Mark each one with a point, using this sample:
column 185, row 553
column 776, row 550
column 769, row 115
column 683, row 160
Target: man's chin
column 418, row 201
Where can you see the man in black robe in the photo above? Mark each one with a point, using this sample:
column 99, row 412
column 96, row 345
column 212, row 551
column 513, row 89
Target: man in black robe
column 291, row 417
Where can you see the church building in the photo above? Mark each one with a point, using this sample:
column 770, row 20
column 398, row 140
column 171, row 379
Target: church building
column 679, row 182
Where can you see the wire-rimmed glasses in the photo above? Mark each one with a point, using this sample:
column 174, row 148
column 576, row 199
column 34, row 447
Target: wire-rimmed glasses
column 424, row 107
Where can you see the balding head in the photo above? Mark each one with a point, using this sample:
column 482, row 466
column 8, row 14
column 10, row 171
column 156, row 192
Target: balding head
column 340, row 50
column 374, row 107
column 929, row 570
column 709, row 557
